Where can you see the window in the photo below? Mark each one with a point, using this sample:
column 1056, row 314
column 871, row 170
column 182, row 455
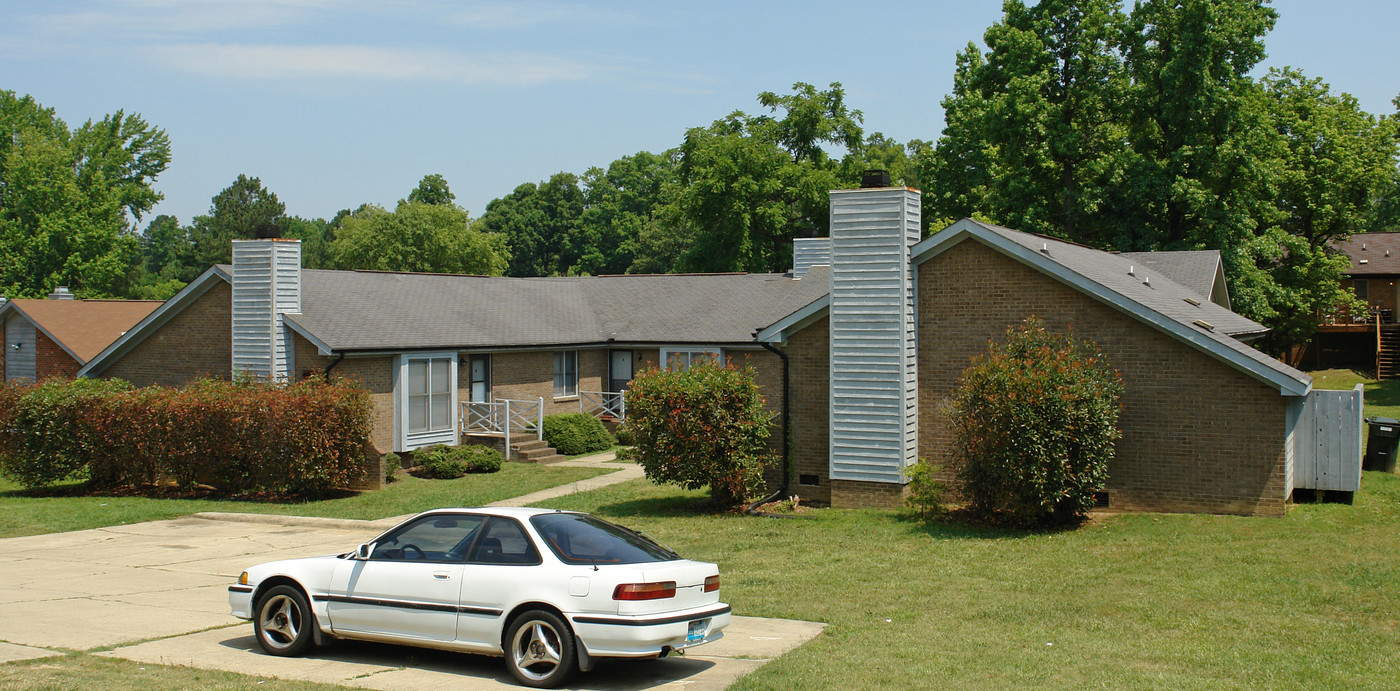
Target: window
column 566, row 373
column 681, row 359
column 440, row 538
column 579, row 539
column 1360, row 287
column 504, row 542
column 426, row 393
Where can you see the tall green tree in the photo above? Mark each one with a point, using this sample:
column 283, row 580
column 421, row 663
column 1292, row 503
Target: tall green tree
column 432, row 189
column 620, row 204
column 747, row 185
column 1034, row 129
column 417, row 236
column 538, row 224
column 69, row 200
column 235, row 213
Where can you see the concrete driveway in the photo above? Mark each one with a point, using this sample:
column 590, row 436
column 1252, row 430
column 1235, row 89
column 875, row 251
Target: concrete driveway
column 158, row 593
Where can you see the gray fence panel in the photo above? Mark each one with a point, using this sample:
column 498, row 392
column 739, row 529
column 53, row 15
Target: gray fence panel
column 1327, row 451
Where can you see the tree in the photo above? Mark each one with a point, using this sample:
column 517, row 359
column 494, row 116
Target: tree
column 417, row 237
column 747, row 185
column 236, row 213
column 316, row 235
column 68, row 200
column 432, row 189
column 619, row 205
column 538, row 223
column 1034, row 133
column 1034, row 424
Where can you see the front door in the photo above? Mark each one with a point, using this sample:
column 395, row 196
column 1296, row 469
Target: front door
column 620, row 370
column 480, row 378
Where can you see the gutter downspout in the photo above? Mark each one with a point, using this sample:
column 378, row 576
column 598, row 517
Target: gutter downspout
column 333, row 364
column 787, row 438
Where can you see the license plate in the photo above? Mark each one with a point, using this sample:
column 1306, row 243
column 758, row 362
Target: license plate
column 696, row 631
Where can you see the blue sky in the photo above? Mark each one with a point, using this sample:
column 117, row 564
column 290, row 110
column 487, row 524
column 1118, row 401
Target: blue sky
column 333, row 104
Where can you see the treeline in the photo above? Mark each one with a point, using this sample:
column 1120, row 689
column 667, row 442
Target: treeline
column 1134, row 129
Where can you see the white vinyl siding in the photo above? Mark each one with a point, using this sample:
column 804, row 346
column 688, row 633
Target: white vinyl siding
column 682, row 358
column 566, row 374
column 426, row 392
column 266, row 285
column 20, row 341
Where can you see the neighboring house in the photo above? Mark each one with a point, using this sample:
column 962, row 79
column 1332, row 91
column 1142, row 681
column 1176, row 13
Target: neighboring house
column 864, row 339
column 57, row 336
column 1370, row 339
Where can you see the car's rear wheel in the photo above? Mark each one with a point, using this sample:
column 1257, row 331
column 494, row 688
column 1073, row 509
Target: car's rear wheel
column 540, row 649
column 283, row 622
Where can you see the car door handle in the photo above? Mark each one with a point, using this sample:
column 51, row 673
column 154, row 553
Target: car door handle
column 442, row 575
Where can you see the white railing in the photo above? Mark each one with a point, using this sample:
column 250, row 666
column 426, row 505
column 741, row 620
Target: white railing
column 503, row 416
column 600, row 403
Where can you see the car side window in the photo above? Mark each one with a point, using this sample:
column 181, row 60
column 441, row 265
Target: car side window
column 438, row 538
column 504, row 542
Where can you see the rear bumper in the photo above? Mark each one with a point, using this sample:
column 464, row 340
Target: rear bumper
column 644, row 636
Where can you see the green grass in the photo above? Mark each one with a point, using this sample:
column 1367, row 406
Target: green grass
column 84, row 671
column 24, row 513
column 614, row 448
column 1131, row 601
column 1382, row 397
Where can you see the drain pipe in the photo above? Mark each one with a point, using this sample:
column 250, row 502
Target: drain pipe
column 333, row 364
column 787, row 441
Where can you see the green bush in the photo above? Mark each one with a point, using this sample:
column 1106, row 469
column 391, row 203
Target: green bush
column 449, row 462
column 927, row 495
column 392, row 465
column 624, row 435
column 302, row 437
column 701, row 427
column 575, row 433
column 1034, row 422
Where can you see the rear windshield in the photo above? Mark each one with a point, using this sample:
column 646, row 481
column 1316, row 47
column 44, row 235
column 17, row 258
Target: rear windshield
column 579, row 539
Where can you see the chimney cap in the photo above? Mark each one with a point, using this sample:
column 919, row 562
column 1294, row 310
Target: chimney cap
column 875, row 178
column 267, row 231
column 60, row 293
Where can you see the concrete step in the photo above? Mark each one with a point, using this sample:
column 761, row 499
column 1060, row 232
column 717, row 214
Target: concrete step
column 533, row 455
column 532, row 445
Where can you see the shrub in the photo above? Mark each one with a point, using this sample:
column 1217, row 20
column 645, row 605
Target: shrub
column 927, row 495
column 1034, row 423
column 302, row 437
column 701, row 427
column 624, row 435
column 574, row 433
column 449, row 462
column 392, row 465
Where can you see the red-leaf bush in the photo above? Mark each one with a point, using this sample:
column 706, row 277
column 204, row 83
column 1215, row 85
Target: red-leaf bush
column 701, row 427
column 1035, row 420
column 304, row 437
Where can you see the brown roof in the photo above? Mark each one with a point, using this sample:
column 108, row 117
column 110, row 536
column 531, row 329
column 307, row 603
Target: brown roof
column 1372, row 253
column 84, row 327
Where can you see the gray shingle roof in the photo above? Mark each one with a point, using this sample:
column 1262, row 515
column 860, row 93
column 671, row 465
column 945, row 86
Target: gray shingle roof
column 1194, row 269
column 360, row 310
column 1380, row 251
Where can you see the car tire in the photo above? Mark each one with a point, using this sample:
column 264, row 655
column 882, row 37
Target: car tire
column 539, row 650
column 283, row 622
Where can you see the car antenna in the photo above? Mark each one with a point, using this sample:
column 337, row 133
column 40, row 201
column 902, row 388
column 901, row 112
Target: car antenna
column 595, row 563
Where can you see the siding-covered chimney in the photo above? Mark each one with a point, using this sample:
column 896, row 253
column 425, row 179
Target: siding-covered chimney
column 266, row 285
column 61, row 293
column 809, row 252
column 874, row 375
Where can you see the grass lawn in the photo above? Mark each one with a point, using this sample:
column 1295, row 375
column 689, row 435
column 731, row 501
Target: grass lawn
column 1129, row 601
column 24, row 514
column 1382, row 397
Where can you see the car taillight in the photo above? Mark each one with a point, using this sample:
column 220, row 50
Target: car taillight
column 645, row 591
column 711, row 584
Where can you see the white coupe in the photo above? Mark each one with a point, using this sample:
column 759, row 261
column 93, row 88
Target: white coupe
column 551, row 591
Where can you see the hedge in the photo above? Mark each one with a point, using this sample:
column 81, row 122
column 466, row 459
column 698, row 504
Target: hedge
column 448, row 462
column 575, row 433
column 304, row 437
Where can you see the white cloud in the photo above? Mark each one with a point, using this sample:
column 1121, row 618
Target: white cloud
column 254, row 61
column 179, row 17
column 526, row 14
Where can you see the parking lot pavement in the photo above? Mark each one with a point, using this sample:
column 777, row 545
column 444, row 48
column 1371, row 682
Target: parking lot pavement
column 168, row 580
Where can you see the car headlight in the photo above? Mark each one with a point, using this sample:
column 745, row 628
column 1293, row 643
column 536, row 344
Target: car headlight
column 243, row 578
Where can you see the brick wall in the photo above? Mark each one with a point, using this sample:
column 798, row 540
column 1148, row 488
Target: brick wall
column 1198, row 435
column 375, row 373
column 197, row 342
column 51, row 360
column 528, row 375
column 857, row 494
column 810, row 384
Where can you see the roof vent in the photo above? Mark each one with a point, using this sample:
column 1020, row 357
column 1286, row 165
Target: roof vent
column 1147, row 281
column 1193, row 301
column 1045, row 247
column 875, row 178
column 1363, row 246
column 61, row 293
column 1363, row 261
column 1204, row 324
column 1130, row 270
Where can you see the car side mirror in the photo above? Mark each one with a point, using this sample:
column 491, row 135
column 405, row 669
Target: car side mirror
column 363, row 551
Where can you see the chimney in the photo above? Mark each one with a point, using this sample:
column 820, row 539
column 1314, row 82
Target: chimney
column 809, row 252
column 266, row 285
column 61, row 293
column 873, row 368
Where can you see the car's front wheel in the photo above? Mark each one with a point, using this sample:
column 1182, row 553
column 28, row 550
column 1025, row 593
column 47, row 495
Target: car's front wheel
column 540, row 649
column 283, row 622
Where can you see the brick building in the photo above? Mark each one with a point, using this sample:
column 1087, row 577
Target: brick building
column 854, row 350
column 57, row 336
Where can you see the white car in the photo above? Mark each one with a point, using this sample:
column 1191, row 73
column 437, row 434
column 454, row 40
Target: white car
column 551, row 591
